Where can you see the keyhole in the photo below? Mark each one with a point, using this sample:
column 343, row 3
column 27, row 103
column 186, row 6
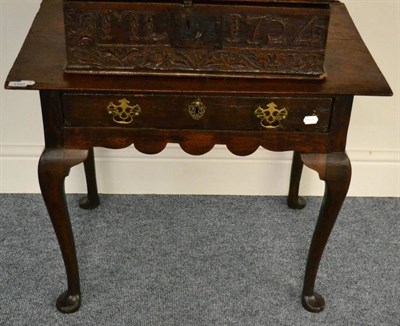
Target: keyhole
column 188, row 23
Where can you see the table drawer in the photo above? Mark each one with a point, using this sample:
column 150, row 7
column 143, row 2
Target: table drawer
column 197, row 112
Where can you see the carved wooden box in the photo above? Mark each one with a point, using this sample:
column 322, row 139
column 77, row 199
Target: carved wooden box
column 259, row 38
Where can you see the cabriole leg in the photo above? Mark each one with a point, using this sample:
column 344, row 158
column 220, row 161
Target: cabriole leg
column 54, row 166
column 92, row 200
column 293, row 200
column 335, row 170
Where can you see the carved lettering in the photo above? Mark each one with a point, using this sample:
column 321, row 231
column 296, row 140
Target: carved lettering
column 105, row 26
column 308, row 33
column 155, row 41
column 234, row 28
column 266, row 30
column 149, row 27
column 80, row 32
column 129, row 27
column 197, row 31
column 133, row 25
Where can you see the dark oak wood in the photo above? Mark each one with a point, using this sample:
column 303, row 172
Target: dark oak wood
column 54, row 166
column 172, row 112
column 202, row 38
column 52, row 118
column 293, row 200
column 157, row 139
column 346, row 60
column 84, row 111
column 92, row 199
column 335, row 170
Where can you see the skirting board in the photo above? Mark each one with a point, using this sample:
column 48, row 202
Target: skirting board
column 127, row 171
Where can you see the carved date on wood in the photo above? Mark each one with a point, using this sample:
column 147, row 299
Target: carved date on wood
column 170, row 38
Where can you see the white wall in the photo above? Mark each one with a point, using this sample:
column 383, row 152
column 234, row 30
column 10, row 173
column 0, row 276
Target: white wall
column 373, row 142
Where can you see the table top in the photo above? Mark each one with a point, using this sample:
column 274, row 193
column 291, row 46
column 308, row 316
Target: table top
column 350, row 68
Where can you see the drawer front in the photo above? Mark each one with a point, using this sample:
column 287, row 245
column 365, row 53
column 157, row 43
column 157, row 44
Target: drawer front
column 193, row 112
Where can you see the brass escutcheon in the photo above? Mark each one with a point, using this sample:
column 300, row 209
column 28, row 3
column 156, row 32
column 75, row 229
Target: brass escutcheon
column 197, row 109
column 123, row 113
column 271, row 117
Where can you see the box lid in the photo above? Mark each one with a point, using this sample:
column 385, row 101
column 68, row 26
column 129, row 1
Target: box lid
column 218, row 1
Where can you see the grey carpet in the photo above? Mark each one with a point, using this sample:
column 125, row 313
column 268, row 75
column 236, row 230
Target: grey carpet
column 200, row 260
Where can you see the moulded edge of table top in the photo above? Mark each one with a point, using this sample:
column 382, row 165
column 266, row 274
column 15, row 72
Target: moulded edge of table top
column 350, row 67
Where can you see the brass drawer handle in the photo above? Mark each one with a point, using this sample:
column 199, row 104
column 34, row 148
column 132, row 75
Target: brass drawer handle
column 123, row 113
column 197, row 109
column 271, row 117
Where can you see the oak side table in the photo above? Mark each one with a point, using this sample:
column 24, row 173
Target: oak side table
column 80, row 112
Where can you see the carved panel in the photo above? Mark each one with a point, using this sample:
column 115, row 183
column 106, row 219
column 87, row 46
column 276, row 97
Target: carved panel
column 167, row 38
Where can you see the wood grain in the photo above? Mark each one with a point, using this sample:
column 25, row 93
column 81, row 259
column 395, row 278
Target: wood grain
column 345, row 62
